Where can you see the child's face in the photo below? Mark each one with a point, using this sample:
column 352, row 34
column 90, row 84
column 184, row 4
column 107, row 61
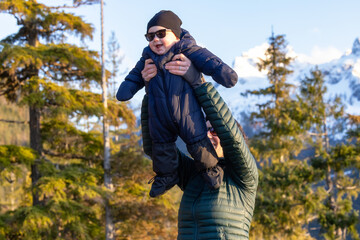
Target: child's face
column 161, row 46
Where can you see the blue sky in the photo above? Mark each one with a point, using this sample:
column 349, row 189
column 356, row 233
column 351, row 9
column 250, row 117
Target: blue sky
column 229, row 27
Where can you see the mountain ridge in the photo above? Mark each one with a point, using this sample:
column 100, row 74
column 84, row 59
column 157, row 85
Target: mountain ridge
column 341, row 75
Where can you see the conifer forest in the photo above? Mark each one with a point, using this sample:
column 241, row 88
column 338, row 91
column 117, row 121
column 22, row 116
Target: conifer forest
column 53, row 180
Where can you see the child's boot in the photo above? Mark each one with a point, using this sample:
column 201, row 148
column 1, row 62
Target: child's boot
column 163, row 183
column 165, row 165
column 206, row 161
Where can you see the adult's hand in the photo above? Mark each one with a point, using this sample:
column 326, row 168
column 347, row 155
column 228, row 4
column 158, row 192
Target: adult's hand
column 179, row 65
column 182, row 66
column 149, row 70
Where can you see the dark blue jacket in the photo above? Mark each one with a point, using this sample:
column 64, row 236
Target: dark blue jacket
column 173, row 108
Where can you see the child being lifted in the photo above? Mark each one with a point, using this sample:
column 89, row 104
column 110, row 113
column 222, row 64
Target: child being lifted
column 172, row 107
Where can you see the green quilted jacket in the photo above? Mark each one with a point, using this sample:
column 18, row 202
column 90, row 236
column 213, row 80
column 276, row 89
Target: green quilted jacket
column 224, row 213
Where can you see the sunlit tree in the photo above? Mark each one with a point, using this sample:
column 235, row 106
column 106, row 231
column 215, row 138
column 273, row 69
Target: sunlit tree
column 53, row 78
column 285, row 197
column 277, row 131
column 338, row 163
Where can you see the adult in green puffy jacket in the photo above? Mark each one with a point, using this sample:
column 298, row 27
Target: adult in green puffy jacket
column 225, row 213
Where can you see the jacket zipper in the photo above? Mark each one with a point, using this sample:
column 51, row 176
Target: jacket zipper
column 167, row 100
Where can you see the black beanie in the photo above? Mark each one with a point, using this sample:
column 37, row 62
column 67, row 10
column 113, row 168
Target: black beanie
column 166, row 19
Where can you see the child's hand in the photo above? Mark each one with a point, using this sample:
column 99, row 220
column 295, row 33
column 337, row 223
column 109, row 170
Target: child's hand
column 149, row 70
column 179, row 65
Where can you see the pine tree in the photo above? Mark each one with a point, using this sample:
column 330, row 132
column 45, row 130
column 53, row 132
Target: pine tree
column 53, row 78
column 285, row 198
column 337, row 163
column 277, row 131
column 115, row 60
column 285, row 201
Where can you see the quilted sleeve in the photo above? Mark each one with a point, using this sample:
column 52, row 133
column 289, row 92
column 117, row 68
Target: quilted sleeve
column 147, row 142
column 133, row 82
column 211, row 65
column 239, row 159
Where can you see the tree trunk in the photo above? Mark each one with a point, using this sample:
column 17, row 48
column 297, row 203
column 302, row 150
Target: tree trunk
column 107, row 173
column 34, row 124
column 35, row 143
column 331, row 182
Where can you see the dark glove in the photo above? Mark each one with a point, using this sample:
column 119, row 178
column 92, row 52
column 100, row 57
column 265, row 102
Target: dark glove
column 146, row 83
column 194, row 77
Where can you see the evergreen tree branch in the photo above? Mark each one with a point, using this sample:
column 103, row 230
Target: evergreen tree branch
column 70, row 155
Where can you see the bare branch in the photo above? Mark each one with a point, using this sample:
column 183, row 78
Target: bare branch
column 76, row 5
column 317, row 134
column 340, row 187
column 11, row 121
column 329, row 190
column 63, row 6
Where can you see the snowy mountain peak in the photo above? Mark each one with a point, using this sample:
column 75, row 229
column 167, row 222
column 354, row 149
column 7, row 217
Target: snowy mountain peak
column 341, row 75
column 356, row 47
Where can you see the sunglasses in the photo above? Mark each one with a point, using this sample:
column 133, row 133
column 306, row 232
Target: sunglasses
column 212, row 131
column 160, row 34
